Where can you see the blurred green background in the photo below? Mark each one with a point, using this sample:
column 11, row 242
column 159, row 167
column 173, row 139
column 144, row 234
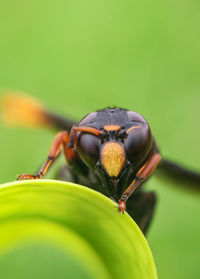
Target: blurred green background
column 79, row 56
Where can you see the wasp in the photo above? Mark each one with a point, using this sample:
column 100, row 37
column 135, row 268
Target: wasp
column 111, row 150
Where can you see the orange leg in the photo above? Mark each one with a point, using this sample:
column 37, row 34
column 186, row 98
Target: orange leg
column 61, row 139
column 144, row 172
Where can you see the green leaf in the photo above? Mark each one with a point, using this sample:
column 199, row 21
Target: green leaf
column 53, row 229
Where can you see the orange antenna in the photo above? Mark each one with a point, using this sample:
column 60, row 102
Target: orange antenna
column 86, row 129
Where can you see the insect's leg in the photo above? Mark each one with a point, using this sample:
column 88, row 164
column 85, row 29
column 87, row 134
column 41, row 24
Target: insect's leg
column 141, row 207
column 144, row 172
column 60, row 139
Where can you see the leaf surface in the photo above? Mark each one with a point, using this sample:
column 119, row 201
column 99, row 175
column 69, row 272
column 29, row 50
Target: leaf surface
column 54, row 229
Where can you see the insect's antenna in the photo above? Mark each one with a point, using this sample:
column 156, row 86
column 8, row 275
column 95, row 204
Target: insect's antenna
column 20, row 109
column 86, row 129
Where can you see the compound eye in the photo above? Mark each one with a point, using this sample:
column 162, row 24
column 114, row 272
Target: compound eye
column 138, row 144
column 88, row 148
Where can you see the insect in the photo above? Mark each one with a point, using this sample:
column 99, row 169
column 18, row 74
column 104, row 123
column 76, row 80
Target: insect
column 110, row 150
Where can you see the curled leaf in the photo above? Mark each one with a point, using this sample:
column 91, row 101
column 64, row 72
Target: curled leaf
column 54, row 229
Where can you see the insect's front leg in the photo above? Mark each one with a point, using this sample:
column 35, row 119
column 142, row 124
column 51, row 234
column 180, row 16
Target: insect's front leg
column 61, row 139
column 144, row 172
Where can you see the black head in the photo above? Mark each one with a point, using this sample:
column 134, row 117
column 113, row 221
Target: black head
column 113, row 142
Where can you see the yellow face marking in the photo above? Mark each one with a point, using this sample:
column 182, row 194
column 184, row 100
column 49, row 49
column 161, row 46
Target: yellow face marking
column 111, row 127
column 112, row 158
